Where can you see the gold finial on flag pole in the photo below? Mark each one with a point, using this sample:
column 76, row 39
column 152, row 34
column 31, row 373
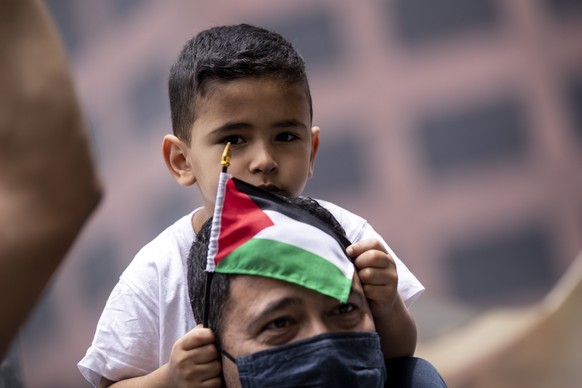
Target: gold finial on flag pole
column 225, row 161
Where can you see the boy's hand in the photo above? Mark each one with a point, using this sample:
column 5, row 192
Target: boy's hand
column 379, row 277
column 377, row 272
column 195, row 361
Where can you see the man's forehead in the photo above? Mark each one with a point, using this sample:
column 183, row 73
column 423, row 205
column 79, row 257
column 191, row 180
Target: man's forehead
column 254, row 296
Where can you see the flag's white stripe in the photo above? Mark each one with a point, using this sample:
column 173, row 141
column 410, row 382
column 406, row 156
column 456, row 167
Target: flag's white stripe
column 216, row 222
column 308, row 237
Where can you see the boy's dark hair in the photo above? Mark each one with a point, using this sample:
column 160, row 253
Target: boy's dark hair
column 219, row 290
column 228, row 53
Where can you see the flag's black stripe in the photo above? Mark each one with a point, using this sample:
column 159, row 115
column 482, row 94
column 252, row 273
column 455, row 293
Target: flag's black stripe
column 269, row 201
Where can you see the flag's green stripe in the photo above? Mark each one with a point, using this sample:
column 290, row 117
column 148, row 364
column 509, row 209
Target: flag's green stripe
column 290, row 263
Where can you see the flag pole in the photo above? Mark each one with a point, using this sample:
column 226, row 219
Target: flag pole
column 224, row 162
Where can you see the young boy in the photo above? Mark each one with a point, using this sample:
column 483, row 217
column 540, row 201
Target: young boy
column 247, row 86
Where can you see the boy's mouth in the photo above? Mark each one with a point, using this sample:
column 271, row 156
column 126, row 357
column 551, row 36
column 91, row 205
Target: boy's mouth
column 274, row 189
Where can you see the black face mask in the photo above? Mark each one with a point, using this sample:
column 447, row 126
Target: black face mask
column 348, row 359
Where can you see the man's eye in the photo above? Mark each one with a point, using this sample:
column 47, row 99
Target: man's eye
column 233, row 140
column 346, row 308
column 286, row 137
column 278, row 323
column 278, row 331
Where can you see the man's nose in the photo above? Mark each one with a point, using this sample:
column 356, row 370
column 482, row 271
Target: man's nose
column 316, row 327
column 263, row 160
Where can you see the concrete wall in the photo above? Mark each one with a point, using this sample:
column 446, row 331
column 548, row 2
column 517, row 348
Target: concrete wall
column 453, row 126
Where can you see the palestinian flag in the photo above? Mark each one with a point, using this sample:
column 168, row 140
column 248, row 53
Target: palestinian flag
column 255, row 232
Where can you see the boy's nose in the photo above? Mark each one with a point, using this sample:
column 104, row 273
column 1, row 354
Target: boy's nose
column 263, row 161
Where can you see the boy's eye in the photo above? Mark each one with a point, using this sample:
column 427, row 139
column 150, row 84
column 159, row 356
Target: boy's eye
column 286, row 137
column 232, row 139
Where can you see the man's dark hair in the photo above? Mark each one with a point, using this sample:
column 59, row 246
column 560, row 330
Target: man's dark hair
column 219, row 290
column 229, row 53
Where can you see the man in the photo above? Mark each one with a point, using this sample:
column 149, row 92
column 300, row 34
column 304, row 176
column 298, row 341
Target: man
column 48, row 182
column 278, row 318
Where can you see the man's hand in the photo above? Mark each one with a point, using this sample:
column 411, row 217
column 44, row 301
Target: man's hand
column 195, row 361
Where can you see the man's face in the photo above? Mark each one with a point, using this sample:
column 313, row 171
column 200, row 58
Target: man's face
column 268, row 124
column 263, row 313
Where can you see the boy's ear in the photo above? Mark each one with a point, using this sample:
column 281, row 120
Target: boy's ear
column 175, row 153
column 314, row 148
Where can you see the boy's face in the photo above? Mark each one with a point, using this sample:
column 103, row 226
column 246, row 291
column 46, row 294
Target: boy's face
column 264, row 313
column 268, row 124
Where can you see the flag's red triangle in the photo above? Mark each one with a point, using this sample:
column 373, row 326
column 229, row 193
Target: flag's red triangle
column 238, row 226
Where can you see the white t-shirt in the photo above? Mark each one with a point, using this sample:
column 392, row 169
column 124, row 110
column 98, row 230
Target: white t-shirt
column 149, row 308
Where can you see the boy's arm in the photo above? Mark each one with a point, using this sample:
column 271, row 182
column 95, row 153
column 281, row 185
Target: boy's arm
column 48, row 183
column 194, row 362
column 157, row 378
column 379, row 277
column 397, row 330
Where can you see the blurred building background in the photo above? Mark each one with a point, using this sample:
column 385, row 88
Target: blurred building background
column 453, row 126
